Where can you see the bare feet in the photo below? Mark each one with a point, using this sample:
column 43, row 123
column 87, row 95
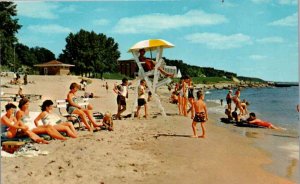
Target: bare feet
column 41, row 141
column 194, row 136
column 202, row 136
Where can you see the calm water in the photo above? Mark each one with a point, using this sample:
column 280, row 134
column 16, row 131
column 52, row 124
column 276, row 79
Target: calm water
column 276, row 105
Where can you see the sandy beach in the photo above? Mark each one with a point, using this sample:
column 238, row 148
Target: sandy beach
column 156, row 150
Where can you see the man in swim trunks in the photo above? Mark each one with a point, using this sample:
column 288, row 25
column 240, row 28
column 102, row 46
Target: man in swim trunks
column 229, row 99
column 200, row 114
column 122, row 91
column 253, row 120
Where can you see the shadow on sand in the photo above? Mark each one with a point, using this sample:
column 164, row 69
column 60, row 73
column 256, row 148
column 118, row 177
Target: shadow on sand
column 171, row 135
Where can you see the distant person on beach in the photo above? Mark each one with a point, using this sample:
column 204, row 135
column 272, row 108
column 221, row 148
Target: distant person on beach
column 150, row 64
column 244, row 105
column 178, row 89
column 20, row 92
column 23, row 116
column 237, row 101
column 229, row 98
column 253, row 120
column 185, row 87
column 106, row 87
column 10, row 127
column 122, row 92
column 142, row 99
column 298, row 108
column 58, row 124
column 221, row 101
column 74, row 108
column 201, row 115
column 190, row 93
column 25, row 79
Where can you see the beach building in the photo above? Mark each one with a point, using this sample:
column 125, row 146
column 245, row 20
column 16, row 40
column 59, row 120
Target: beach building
column 128, row 67
column 54, row 67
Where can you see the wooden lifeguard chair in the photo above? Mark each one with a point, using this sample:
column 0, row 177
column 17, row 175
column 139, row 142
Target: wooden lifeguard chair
column 152, row 44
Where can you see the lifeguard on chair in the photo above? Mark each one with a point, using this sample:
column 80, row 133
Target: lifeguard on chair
column 150, row 67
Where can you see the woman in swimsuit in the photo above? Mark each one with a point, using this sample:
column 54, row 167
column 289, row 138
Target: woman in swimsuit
column 184, row 89
column 74, row 108
column 253, row 120
column 10, row 125
column 23, row 115
column 237, row 101
column 190, row 95
column 178, row 89
column 45, row 116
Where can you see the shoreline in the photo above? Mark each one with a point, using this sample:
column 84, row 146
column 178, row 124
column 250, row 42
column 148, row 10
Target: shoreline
column 157, row 150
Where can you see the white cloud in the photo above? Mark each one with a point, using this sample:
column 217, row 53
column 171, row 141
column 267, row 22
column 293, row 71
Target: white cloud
column 218, row 41
column 288, row 2
column 291, row 20
column 41, row 10
column 153, row 23
column 101, row 22
column 68, row 9
column 274, row 39
column 257, row 57
column 50, row 28
column 260, row 1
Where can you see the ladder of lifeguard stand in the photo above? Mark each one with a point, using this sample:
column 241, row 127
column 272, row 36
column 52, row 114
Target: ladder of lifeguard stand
column 151, row 85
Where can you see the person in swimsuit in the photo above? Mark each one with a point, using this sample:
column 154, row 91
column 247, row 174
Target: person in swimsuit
column 10, row 126
column 237, row 101
column 142, row 98
column 201, row 115
column 190, row 95
column 45, row 117
column 253, row 120
column 23, row 115
column 74, row 108
column 184, row 89
column 178, row 89
column 229, row 99
column 150, row 64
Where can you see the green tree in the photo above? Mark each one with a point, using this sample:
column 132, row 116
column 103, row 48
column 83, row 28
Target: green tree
column 42, row 54
column 25, row 55
column 90, row 53
column 8, row 28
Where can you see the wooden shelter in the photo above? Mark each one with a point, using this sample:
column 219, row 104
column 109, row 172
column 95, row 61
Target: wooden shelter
column 128, row 67
column 54, row 67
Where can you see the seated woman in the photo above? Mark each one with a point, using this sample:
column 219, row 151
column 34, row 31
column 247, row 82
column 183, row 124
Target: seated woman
column 10, row 125
column 244, row 105
column 74, row 108
column 47, row 108
column 150, row 64
column 253, row 120
column 23, row 115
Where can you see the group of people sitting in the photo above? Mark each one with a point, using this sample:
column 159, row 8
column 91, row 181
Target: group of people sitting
column 242, row 107
column 22, row 124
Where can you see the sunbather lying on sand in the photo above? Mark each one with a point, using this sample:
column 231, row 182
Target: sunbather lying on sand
column 60, row 126
column 23, row 115
column 253, row 120
column 10, row 125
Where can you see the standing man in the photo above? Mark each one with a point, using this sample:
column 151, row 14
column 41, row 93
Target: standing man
column 122, row 92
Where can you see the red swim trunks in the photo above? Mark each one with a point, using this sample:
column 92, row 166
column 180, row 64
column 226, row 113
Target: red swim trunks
column 264, row 124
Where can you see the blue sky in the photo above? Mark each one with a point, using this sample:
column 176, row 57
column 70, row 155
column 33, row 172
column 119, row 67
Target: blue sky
column 256, row 38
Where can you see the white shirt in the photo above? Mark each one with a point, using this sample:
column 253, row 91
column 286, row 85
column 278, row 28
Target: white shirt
column 141, row 91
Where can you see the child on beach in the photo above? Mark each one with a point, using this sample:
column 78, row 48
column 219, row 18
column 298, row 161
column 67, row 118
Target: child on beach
column 10, row 126
column 108, row 121
column 200, row 114
column 141, row 98
column 122, row 92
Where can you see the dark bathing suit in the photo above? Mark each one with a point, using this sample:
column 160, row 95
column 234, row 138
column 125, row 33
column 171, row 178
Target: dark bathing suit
column 190, row 93
column 199, row 117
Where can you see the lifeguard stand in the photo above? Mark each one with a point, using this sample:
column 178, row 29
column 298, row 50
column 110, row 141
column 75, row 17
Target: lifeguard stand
column 153, row 44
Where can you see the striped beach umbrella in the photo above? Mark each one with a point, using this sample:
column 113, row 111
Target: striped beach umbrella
column 150, row 44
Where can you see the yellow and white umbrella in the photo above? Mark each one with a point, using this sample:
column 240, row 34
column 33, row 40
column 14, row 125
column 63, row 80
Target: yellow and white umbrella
column 150, row 45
